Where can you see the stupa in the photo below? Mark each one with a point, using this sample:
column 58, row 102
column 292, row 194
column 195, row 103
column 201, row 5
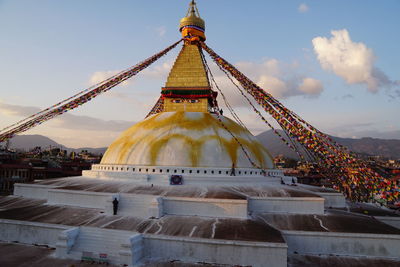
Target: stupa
column 190, row 187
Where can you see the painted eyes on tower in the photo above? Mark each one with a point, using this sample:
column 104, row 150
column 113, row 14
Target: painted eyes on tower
column 184, row 100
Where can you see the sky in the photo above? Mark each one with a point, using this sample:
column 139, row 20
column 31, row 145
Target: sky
column 335, row 63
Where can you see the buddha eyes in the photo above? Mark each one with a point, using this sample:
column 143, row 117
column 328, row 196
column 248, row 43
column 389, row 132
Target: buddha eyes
column 184, row 100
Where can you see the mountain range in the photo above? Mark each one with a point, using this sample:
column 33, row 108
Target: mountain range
column 389, row 148
column 28, row 142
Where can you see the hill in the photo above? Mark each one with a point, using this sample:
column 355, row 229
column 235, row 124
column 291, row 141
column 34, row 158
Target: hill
column 389, row 148
column 27, row 142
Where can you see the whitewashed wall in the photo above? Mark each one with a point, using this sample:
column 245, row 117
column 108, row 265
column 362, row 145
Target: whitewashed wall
column 194, row 250
column 301, row 205
column 30, row 232
column 78, row 198
column 333, row 200
column 134, row 205
column 347, row 244
column 32, row 190
column 393, row 221
column 225, row 208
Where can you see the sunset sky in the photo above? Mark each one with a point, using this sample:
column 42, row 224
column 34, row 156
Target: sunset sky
column 335, row 63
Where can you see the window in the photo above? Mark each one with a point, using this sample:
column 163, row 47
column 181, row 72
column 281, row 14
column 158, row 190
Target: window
column 174, row 171
column 198, row 171
column 212, row 172
column 167, row 170
column 190, row 171
column 183, row 171
column 219, row 172
column 205, row 171
column 154, row 170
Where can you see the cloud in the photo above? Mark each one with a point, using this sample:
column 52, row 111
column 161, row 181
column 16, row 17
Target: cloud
column 364, row 129
column 68, row 121
column 14, row 110
column 311, row 87
column 156, row 71
column 273, row 85
column 280, row 79
column 303, row 8
column 100, row 76
column 352, row 61
column 347, row 96
column 159, row 71
column 161, row 31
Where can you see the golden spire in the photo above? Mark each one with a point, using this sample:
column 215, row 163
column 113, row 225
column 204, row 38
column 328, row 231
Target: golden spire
column 192, row 26
column 187, row 87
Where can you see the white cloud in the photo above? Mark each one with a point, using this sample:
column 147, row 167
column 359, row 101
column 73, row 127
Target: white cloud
column 352, row 61
column 14, row 110
column 159, row 71
column 273, row 85
column 311, row 87
column 156, row 71
column 100, row 76
column 161, row 31
column 280, row 79
column 68, row 121
column 275, row 77
column 69, row 129
column 303, row 8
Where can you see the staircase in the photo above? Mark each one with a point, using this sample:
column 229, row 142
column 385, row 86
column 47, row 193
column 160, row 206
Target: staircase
column 100, row 245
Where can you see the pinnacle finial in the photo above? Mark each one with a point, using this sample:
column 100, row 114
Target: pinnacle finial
column 192, row 25
column 193, row 11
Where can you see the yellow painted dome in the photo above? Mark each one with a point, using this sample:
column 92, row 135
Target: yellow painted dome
column 186, row 139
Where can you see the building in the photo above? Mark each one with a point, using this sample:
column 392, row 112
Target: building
column 190, row 186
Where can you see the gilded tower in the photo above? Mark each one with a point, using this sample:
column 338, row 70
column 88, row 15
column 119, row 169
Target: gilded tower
column 187, row 87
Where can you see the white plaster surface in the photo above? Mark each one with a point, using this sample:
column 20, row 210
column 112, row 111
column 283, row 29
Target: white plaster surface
column 333, row 200
column 66, row 240
column 393, row 221
column 188, row 178
column 35, row 191
column 77, row 198
column 228, row 208
column 346, row 244
column 133, row 205
column 30, row 232
column 255, row 254
column 300, row 205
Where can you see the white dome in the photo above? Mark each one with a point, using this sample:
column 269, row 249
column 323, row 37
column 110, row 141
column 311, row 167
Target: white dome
column 187, row 139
